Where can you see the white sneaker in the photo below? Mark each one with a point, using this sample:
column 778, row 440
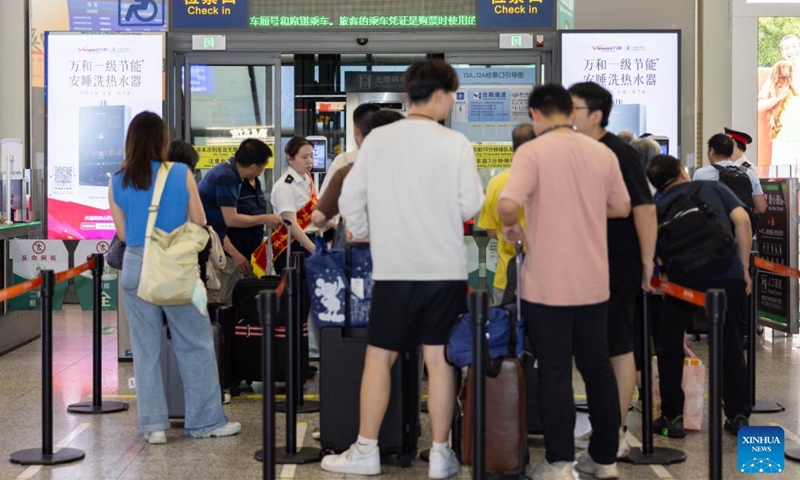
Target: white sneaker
column 353, row 461
column 587, row 465
column 550, row 471
column 443, row 463
column 582, row 441
column 231, row 428
column 156, row 438
column 624, row 447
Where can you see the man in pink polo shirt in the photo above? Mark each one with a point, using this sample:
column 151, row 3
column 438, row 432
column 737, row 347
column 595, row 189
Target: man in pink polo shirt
column 569, row 186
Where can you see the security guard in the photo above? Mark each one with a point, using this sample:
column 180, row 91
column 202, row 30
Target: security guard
column 294, row 197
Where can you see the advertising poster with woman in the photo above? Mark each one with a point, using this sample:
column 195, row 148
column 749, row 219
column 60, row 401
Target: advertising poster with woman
column 779, row 91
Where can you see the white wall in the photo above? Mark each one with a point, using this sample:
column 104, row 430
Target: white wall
column 652, row 15
column 743, row 72
column 12, row 75
column 716, row 107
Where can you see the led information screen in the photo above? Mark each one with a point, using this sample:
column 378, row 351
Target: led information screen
column 640, row 69
column 362, row 13
column 95, row 83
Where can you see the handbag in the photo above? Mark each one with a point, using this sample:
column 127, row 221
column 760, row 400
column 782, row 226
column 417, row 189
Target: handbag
column 339, row 281
column 504, row 326
column 115, row 253
column 170, row 272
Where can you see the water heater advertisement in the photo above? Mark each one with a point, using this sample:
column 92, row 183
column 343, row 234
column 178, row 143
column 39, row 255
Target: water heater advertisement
column 779, row 91
column 640, row 69
column 94, row 85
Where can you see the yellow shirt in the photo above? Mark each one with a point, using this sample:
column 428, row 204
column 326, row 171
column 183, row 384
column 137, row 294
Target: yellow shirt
column 490, row 219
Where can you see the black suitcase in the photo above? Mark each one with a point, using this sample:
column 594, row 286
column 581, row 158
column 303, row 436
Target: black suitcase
column 246, row 345
column 171, row 375
column 341, row 366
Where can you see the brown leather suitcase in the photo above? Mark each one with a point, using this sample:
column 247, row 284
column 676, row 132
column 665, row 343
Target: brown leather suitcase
column 506, row 418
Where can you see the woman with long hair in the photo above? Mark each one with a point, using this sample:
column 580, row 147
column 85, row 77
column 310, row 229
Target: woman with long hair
column 130, row 193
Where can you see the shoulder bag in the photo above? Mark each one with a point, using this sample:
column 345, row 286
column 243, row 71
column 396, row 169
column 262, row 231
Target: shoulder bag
column 170, row 273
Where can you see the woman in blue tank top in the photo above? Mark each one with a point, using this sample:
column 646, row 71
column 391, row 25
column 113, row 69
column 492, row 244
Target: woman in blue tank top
column 130, row 193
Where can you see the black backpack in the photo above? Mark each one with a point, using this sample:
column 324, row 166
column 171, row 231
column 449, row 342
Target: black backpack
column 736, row 178
column 693, row 244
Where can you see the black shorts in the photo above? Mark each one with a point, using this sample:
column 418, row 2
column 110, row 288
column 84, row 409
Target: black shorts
column 405, row 314
column 621, row 312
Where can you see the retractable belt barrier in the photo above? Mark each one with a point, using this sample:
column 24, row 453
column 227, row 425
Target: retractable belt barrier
column 25, row 287
column 682, row 293
column 776, row 268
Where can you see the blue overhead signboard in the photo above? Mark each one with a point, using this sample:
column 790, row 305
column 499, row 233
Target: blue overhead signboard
column 515, row 13
column 209, row 13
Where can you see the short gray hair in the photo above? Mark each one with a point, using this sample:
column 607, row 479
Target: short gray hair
column 627, row 135
column 646, row 148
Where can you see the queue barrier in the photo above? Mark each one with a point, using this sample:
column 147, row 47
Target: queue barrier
column 46, row 281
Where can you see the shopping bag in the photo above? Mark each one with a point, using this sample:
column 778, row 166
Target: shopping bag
column 327, row 284
column 693, row 384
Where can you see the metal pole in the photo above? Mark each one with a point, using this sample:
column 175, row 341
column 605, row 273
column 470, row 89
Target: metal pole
column 715, row 309
column 291, row 374
column 479, row 307
column 291, row 454
column 97, row 320
column 647, row 379
column 268, row 312
column 45, row 455
column 97, row 405
column 48, row 285
column 648, row 454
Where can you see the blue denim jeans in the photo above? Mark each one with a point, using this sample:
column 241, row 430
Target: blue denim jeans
column 194, row 349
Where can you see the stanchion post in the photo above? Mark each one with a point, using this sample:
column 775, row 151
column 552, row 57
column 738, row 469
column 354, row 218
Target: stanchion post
column 715, row 310
column 752, row 316
column 648, row 454
column 479, row 306
column 290, row 454
column 97, row 405
column 45, row 455
column 268, row 312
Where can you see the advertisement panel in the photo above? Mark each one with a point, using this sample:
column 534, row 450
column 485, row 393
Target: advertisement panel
column 778, row 90
column 29, row 258
column 95, row 83
column 641, row 69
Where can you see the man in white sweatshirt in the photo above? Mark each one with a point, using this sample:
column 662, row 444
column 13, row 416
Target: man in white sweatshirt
column 414, row 185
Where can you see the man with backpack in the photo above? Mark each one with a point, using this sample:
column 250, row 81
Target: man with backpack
column 704, row 239
column 743, row 181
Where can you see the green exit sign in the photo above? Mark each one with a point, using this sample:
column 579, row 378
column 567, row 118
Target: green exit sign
column 516, row 40
column 208, row 42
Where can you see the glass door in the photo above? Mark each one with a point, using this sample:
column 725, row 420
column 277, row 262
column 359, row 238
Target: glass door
column 226, row 99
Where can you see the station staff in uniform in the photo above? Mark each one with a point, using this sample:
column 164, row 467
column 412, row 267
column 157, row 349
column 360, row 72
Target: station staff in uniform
column 294, row 198
column 740, row 142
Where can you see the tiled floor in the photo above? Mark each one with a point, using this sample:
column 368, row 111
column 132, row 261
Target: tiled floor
column 115, row 450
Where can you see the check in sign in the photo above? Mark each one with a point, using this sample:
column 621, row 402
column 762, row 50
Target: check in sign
column 209, row 13
column 515, row 13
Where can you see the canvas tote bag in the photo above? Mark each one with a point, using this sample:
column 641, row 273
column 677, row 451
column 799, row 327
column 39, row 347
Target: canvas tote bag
column 170, row 272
